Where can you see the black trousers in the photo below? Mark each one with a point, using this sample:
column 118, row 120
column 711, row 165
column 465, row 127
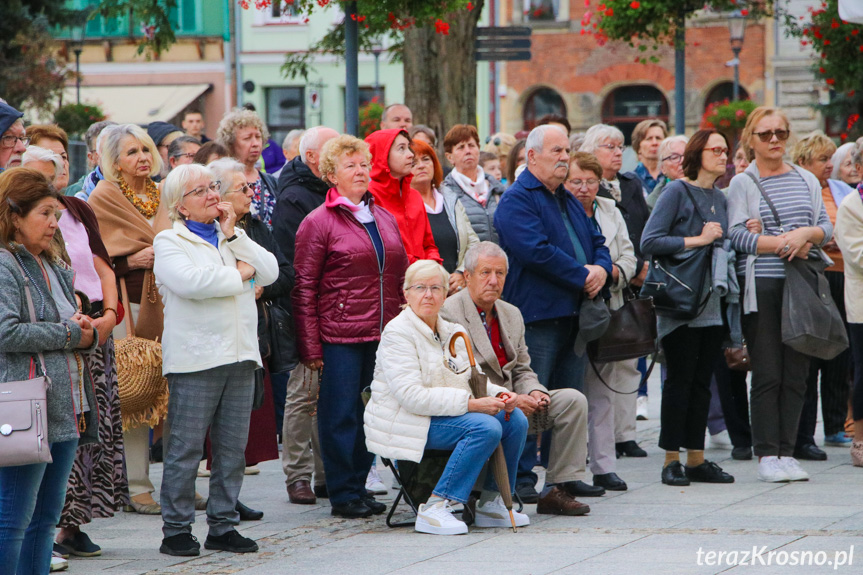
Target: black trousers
column 835, row 381
column 690, row 354
column 778, row 374
column 734, row 398
column 856, row 330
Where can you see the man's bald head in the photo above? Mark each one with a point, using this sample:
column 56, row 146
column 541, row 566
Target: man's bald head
column 397, row 116
column 310, row 146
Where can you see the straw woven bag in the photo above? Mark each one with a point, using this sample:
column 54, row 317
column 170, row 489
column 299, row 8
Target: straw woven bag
column 143, row 389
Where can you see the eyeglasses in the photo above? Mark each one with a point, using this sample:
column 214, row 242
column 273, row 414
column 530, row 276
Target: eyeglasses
column 190, row 155
column 9, row 141
column 423, row 289
column 781, row 135
column 590, row 183
column 612, row 147
column 717, row 151
column 202, row 191
column 673, row 158
column 241, row 190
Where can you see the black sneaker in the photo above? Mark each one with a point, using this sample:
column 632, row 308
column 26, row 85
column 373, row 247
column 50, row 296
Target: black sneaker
column 352, row 509
column 81, row 546
column 376, row 506
column 181, row 545
column 231, row 541
column 527, row 493
column 708, row 472
column 61, row 551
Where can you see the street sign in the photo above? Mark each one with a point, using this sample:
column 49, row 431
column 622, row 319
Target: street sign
column 502, row 56
column 502, row 43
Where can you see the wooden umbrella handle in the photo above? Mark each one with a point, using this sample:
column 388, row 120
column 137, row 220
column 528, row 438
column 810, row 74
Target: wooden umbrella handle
column 462, row 335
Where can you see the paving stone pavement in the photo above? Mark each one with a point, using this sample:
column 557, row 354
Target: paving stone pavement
column 811, row 527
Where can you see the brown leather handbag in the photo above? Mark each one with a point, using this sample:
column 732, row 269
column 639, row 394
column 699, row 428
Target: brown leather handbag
column 24, row 411
column 631, row 331
column 737, row 358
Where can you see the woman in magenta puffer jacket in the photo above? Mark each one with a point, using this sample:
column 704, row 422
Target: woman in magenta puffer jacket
column 350, row 263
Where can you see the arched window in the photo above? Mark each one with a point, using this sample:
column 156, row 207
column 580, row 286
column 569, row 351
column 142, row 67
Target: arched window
column 628, row 105
column 539, row 103
column 722, row 92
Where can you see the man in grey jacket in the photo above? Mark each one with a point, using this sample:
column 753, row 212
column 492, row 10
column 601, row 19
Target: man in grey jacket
column 496, row 330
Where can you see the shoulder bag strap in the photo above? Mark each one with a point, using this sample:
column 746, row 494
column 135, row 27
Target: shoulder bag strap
column 694, row 203
column 32, row 310
column 767, row 199
column 603, row 382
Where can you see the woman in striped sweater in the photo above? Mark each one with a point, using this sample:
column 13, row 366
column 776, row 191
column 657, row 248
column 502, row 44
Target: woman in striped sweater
column 763, row 245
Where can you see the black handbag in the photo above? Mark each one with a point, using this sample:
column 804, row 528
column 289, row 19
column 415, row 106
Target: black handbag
column 676, row 282
column 631, row 332
column 258, row 397
column 811, row 323
column 279, row 338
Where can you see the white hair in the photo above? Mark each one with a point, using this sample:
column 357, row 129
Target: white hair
column 223, row 171
column 487, row 249
column 839, row 156
column 665, row 145
column 311, row 140
column 176, row 183
column 424, row 268
column 109, row 149
column 292, row 137
column 600, row 134
column 40, row 154
column 536, row 138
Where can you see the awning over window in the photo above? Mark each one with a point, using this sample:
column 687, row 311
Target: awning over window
column 138, row 104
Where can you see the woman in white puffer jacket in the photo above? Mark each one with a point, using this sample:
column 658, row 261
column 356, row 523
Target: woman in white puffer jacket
column 421, row 399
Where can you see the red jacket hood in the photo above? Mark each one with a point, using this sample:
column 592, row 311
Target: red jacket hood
column 383, row 183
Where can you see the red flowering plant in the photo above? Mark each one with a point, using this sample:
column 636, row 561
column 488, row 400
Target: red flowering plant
column 837, row 48
column 370, row 117
column 726, row 116
column 76, row 118
column 647, row 24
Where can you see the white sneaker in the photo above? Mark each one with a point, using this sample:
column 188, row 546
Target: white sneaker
column 437, row 519
column 793, row 469
column 721, row 440
column 771, row 470
column 58, row 563
column 641, row 408
column 202, row 469
column 495, row 514
column 252, row 470
column 374, row 483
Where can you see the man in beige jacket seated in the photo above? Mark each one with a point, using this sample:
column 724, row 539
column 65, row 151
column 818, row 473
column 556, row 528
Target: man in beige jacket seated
column 496, row 330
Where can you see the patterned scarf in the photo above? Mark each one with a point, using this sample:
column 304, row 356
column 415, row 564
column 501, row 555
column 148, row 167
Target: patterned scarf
column 263, row 203
column 477, row 190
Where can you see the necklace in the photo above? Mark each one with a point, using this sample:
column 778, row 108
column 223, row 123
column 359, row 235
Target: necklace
column 705, row 192
column 147, row 208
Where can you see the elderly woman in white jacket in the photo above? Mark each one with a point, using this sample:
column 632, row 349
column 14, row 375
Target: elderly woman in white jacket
column 611, row 416
column 421, row 399
column 206, row 271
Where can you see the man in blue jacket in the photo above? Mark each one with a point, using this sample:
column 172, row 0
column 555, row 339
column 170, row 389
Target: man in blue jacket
column 557, row 258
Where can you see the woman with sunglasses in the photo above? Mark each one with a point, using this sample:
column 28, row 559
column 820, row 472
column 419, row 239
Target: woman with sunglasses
column 691, row 214
column 207, row 272
column 763, row 245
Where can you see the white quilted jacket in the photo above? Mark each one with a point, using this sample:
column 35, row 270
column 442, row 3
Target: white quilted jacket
column 412, row 383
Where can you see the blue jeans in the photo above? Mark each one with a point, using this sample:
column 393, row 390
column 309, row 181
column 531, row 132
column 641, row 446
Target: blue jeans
column 348, row 368
column 555, row 363
column 473, row 437
column 31, row 500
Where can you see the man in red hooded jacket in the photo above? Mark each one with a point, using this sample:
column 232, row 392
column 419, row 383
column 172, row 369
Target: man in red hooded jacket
column 392, row 163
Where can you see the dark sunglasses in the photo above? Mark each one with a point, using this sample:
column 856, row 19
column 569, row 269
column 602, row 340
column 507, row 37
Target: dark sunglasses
column 781, row 135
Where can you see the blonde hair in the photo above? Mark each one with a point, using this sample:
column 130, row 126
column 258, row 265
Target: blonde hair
column 423, row 268
column 176, row 183
column 810, row 146
column 237, row 119
column 112, row 138
column 756, row 116
column 338, row 147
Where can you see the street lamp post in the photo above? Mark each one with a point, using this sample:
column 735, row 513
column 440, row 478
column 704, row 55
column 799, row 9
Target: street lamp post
column 77, row 30
column 736, row 30
column 377, row 49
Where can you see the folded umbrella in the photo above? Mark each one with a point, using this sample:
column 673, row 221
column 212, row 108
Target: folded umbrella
column 479, row 387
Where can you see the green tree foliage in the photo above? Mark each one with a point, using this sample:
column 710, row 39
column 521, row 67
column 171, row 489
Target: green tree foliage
column 31, row 72
column 838, row 49
column 645, row 24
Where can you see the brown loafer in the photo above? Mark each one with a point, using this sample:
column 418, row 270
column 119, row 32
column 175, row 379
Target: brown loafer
column 559, row 502
column 300, row 492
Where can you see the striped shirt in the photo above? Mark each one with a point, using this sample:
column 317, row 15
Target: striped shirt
column 793, row 201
